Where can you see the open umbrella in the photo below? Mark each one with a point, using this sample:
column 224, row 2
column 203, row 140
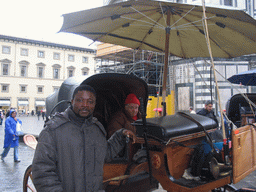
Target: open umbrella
column 244, row 78
column 143, row 25
column 168, row 27
column 158, row 109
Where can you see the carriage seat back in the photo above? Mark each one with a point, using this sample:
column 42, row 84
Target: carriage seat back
column 166, row 127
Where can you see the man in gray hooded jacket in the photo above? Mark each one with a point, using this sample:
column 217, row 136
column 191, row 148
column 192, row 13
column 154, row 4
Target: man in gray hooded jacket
column 72, row 148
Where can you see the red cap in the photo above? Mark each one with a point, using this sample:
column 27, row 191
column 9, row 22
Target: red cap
column 131, row 98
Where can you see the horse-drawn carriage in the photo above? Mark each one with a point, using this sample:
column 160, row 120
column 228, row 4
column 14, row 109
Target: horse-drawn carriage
column 172, row 143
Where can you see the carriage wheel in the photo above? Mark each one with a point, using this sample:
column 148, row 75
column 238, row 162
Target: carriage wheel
column 27, row 180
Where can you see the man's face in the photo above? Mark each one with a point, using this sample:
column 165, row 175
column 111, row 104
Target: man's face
column 84, row 103
column 132, row 109
column 208, row 107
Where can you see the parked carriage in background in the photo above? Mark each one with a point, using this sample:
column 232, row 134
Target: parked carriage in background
column 170, row 141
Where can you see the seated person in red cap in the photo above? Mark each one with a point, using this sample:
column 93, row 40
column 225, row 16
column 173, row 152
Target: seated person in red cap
column 124, row 118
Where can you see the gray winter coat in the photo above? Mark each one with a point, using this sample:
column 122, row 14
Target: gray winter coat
column 71, row 152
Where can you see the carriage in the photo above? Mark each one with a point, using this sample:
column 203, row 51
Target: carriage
column 173, row 143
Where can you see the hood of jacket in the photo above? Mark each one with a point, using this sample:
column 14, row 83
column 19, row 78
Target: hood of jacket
column 12, row 110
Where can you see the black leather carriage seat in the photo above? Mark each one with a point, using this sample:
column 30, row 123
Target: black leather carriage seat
column 174, row 125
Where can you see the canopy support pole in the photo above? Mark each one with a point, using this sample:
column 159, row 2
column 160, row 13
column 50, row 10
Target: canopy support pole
column 166, row 61
column 225, row 144
column 214, row 72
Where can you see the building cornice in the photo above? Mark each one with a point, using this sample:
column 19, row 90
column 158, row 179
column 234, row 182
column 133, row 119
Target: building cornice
column 43, row 43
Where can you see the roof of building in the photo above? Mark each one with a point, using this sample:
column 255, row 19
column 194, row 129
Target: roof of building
column 23, row 40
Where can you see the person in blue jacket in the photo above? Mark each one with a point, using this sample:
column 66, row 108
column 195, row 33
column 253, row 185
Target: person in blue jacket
column 11, row 139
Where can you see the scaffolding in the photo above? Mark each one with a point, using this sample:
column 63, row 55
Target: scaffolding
column 147, row 65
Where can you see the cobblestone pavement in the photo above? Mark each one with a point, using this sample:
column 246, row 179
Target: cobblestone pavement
column 11, row 174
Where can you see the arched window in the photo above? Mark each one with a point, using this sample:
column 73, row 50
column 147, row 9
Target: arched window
column 24, row 68
column 85, row 71
column 71, row 71
column 40, row 70
column 5, row 66
column 56, row 71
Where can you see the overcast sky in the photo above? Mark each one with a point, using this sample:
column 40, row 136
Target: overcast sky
column 41, row 20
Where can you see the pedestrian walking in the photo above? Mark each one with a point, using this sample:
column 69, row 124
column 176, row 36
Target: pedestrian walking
column 43, row 114
column 11, row 139
column 1, row 116
column 38, row 114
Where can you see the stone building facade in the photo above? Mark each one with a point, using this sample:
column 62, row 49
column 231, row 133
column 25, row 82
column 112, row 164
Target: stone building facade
column 194, row 83
column 31, row 70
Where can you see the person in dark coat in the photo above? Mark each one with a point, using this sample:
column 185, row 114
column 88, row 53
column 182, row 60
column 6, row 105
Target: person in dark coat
column 1, row 116
column 43, row 114
column 11, row 139
column 38, row 115
column 7, row 114
column 125, row 117
column 208, row 112
column 72, row 148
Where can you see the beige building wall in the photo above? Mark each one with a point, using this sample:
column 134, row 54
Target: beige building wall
column 23, row 53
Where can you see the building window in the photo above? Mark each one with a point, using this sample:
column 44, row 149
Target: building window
column 41, row 54
column 55, row 89
column 56, row 73
column 23, row 52
column 85, row 71
column 5, row 88
column 228, row 2
column 71, row 58
column 85, row 59
column 40, row 89
column 40, row 72
column 24, row 68
column 23, row 88
column 5, row 69
column 23, row 71
column 70, row 73
column 6, row 49
column 56, row 56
